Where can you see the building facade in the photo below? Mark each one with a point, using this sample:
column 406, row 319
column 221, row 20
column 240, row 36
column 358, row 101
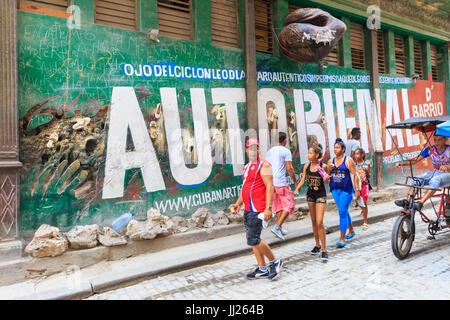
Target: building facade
column 132, row 104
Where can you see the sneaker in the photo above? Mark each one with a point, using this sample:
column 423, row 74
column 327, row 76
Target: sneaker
column 284, row 231
column 258, row 274
column 324, row 256
column 276, row 230
column 401, row 203
column 275, row 268
column 315, row 250
column 418, row 205
column 360, row 202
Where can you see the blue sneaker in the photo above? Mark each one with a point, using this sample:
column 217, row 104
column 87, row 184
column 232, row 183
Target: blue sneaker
column 276, row 230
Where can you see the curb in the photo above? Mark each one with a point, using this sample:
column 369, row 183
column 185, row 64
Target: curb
column 113, row 281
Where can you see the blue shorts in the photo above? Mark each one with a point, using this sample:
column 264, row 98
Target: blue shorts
column 253, row 227
column 434, row 179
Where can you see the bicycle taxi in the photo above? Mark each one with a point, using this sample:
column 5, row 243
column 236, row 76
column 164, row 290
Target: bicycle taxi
column 403, row 232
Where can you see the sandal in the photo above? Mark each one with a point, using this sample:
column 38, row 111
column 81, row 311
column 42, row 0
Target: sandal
column 340, row 244
column 349, row 236
column 365, row 226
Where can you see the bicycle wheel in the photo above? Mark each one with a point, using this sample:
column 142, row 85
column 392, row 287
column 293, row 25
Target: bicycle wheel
column 401, row 242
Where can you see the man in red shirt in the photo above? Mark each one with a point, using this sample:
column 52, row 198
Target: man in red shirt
column 257, row 194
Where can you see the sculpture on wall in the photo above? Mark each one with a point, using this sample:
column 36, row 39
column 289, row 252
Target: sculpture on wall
column 309, row 34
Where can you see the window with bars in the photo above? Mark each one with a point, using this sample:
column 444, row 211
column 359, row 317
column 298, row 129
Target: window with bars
column 434, row 63
column 224, row 23
column 263, row 26
column 357, row 45
column 175, row 18
column 59, row 5
column 381, row 52
column 418, row 61
column 399, row 44
column 116, row 13
column 333, row 57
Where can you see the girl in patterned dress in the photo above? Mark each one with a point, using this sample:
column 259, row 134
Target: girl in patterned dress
column 363, row 169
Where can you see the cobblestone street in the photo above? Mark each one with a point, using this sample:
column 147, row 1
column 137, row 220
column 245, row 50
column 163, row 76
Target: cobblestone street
column 365, row 269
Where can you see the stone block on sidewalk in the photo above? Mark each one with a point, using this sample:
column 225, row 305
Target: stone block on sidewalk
column 137, row 230
column 220, row 218
column 83, row 237
column 199, row 217
column 235, row 218
column 161, row 224
column 47, row 242
column 110, row 238
column 179, row 224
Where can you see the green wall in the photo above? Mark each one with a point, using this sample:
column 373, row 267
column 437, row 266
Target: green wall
column 69, row 74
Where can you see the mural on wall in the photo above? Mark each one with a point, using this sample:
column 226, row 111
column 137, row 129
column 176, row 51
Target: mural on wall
column 110, row 124
column 425, row 99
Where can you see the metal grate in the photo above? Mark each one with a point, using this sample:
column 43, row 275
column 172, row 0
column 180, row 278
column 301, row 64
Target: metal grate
column 175, row 18
column 381, row 52
column 357, row 46
column 224, row 23
column 116, row 13
column 400, row 55
column 418, row 62
column 434, row 63
column 60, row 5
column 263, row 26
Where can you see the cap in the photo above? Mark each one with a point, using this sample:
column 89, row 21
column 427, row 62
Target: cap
column 251, row 142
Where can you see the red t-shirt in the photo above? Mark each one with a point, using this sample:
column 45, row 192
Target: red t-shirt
column 253, row 188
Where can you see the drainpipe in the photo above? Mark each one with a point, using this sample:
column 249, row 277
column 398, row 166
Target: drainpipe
column 376, row 112
column 10, row 246
column 250, row 68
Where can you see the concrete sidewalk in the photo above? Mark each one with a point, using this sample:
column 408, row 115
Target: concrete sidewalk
column 108, row 275
column 28, row 267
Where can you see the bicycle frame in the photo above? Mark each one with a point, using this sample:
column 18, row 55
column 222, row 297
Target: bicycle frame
column 444, row 195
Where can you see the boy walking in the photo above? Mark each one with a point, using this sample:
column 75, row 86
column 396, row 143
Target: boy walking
column 280, row 159
column 353, row 143
column 256, row 195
